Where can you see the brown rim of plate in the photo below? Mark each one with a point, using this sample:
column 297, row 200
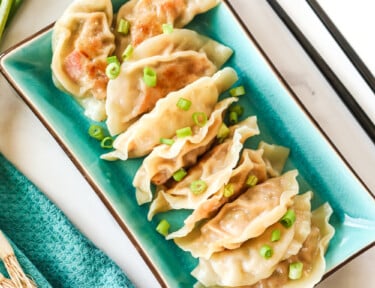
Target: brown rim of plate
column 102, row 195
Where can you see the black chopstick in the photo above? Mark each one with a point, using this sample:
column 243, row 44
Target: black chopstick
column 347, row 98
column 343, row 43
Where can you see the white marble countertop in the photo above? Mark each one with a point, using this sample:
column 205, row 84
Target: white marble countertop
column 32, row 149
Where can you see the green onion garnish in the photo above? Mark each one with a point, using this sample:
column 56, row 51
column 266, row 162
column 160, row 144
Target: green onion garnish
column 233, row 118
column 266, row 251
column 228, row 190
column 123, row 27
column 223, row 132
column 128, row 52
column 96, row 132
column 166, row 141
column 167, row 28
column 295, row 270
column 112, row 59
column 5, row 7
column 237, row 108
column 179, row 174
column 251, row 181
column 107, row 143
column 288, row 219
column 16, row 4
column 184, row 132
column 276, row 235
column 149, row 77
column 198, row 187
column 183, row 104
column 200, row 118
column 237, row 91
column 163, row 227
column 112, row 70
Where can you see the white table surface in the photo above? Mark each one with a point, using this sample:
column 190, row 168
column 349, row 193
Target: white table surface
column 32, row 149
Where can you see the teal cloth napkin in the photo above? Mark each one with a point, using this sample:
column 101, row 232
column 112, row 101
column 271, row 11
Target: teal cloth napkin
column 50, row 249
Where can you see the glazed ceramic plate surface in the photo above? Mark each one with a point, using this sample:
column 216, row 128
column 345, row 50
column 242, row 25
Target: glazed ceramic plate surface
column 282, row 120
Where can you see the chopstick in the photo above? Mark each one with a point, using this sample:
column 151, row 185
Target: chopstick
column 343, row 43
column 347, row 98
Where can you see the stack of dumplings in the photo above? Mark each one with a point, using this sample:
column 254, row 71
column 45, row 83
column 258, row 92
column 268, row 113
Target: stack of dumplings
column 248, row 225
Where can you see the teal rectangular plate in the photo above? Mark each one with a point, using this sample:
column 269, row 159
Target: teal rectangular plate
column 282, row 120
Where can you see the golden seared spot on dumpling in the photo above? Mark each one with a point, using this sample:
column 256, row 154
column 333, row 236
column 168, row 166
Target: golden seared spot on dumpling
column 174, row 75
column 88, row 73
column 94, row 36
column 151, row 15
column 86, row 64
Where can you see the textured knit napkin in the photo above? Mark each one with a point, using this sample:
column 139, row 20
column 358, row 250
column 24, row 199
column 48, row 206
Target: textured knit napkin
column 49, row 247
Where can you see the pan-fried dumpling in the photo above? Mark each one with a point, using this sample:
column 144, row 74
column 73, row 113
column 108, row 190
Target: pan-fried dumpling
column 245, row 265
column 311, row 255
column 141, row 137
column 164, row 160
column 215, row 169
column 251, row 163
column 128, row 95
column 244, row 218
column 81, row 43
column 147, row 17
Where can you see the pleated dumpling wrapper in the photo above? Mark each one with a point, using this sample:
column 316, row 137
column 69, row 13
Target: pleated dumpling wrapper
column 145, row 18
column 182, row 40
column 311, row 255
column 165, row 159
column 81, row 42
column 245, row 265
column 251, row 163
column 166, row 118
column 214, row 168
column 246, row 217
column 176, row 64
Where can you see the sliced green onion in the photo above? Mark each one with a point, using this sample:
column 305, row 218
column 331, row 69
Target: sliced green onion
column 112, row 70
column 183, row 104
column 128, row 52
column 16, row 4
column 163, row 227
column 166, row 141
column 233, row 118
column 96, row 132
column 276, row 235
column 200, row 118
column 179, row 174
column 295, row 270
column 149, row 77
column 237, row 91
column 198, row 187
column 288, row 219
column 5, row 7
column 112, row 59
column 184, row 132
column 237, row 108
column 251, row 181
column 107, row 143
column 223, row 132
column 228, row 190
column 266, row 251
column 123, row 27
column 167, row 28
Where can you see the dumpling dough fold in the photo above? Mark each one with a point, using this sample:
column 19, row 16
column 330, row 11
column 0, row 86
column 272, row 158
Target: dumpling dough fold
column 142, row 136
column 164, row 160
column 244, row 218
column 244, row 265
column 214, row 168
